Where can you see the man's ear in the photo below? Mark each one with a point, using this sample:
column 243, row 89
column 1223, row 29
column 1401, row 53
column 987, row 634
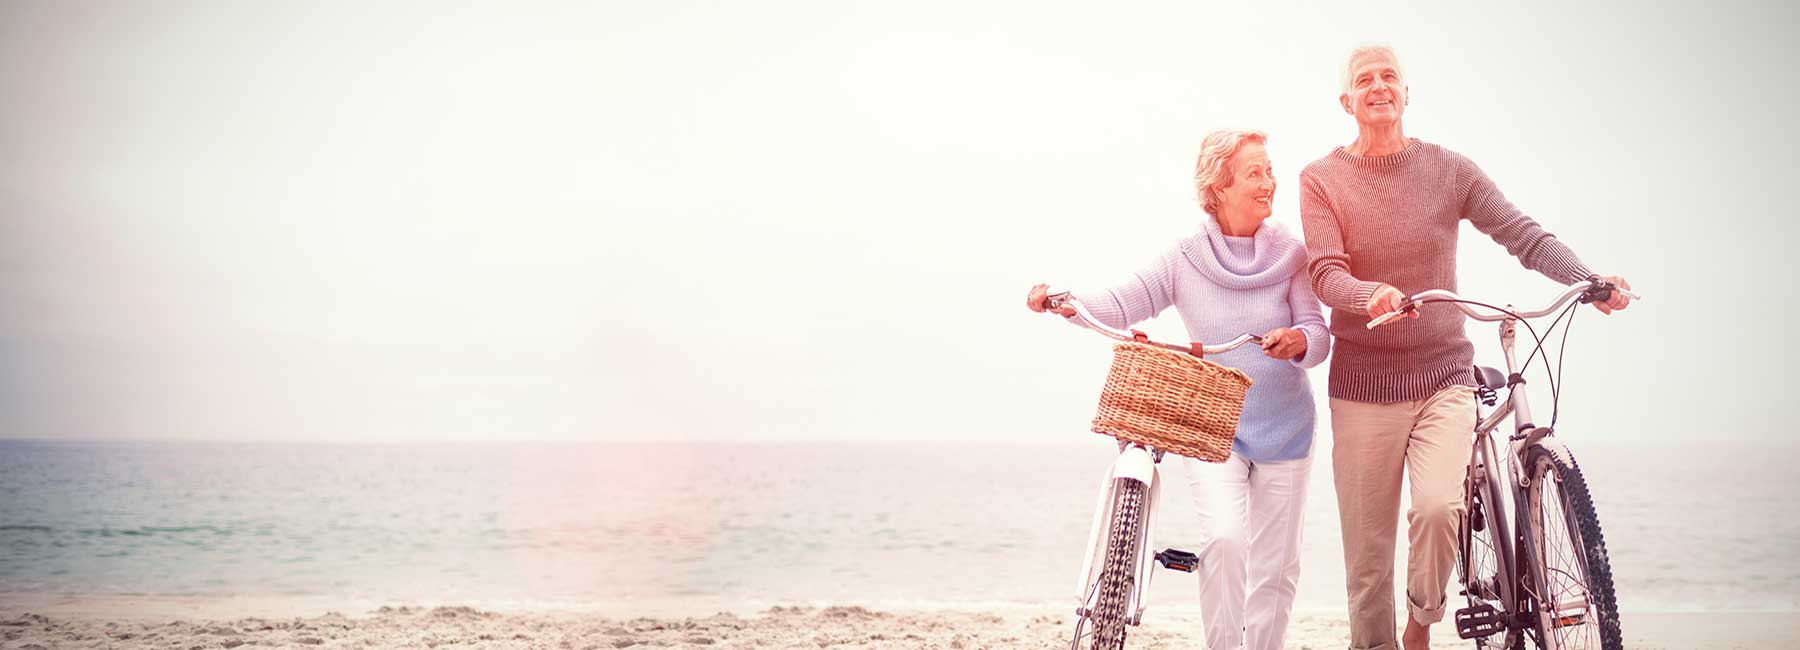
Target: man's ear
column 1344, row 98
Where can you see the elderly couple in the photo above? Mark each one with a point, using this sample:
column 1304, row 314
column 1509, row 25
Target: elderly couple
column 1380, row 218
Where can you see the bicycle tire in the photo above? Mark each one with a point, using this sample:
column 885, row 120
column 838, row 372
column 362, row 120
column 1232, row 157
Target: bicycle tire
column 1484, row 524
column 1117, row 575
column 1584, row 565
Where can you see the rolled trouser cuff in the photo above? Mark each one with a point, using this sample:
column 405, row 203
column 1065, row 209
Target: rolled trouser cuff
column 1424, row 615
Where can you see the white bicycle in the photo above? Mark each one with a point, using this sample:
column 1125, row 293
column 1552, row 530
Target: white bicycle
column 1114, row 583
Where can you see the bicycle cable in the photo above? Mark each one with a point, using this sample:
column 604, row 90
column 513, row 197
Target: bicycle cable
column 1556, row 377
column 1553, row 377
column 1555, row 402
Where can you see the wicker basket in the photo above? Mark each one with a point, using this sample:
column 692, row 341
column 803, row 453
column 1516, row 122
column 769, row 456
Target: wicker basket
column 1171, row 401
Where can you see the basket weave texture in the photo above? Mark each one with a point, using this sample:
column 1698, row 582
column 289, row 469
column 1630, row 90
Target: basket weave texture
column 1172, row 401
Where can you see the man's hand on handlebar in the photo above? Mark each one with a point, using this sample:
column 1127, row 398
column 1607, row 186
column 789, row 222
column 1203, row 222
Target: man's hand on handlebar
column 1038, row 300
column 1616, row 300
column 1387, row 300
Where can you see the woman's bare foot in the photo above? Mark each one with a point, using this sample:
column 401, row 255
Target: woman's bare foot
column 1416, row 636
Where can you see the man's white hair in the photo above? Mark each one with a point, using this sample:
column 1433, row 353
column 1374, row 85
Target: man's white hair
column 1344, row 73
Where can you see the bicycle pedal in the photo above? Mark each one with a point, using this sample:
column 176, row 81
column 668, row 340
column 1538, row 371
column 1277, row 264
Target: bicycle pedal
column 1478, row 621
column 1178, row 560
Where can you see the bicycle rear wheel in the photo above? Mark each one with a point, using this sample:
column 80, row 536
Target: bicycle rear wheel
column 1102, row 626
column 1570, row 572
column 1481, row 565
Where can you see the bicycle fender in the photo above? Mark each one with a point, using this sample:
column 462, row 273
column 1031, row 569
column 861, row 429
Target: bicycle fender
column 1556, row 448
column 1135, row 463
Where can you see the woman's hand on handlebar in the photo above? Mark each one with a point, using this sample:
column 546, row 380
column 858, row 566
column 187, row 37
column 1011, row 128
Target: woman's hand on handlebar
column 1038, row 300
column 1284, row 343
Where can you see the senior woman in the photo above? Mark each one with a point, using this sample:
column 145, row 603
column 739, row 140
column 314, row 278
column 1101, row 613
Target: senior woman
column 1240, row 275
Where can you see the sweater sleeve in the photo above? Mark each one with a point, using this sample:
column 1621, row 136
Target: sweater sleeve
column 1140, row 298
column 1310, row 320
column 1499, row 219
column 1329, row 264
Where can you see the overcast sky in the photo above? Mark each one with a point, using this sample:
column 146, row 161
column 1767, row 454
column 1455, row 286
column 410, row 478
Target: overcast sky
column 809, row 220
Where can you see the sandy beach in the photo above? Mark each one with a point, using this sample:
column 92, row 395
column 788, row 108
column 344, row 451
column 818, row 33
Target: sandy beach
column 117, row 623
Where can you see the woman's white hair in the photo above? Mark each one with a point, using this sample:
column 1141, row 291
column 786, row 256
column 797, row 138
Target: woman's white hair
column 1213, row 171
column 1344, row 79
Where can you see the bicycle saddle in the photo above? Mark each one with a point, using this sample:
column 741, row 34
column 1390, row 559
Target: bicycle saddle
column 1489, row 378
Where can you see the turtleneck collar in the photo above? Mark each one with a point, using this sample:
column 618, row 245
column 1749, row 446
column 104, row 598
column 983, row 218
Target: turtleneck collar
column 1271, row 256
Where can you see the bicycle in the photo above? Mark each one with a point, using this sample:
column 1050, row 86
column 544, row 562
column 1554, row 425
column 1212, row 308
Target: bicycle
column 1548, row 576
column 1114, row 582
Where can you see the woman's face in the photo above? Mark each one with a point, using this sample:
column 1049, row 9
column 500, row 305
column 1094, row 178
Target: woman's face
column 1252, row 191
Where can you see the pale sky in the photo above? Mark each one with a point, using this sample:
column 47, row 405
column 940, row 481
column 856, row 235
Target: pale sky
column 766, row 221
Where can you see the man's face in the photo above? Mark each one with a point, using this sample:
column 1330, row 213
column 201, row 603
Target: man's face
column 1377, row 94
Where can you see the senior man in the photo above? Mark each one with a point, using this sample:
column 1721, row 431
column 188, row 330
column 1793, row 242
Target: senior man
column 1381, row 218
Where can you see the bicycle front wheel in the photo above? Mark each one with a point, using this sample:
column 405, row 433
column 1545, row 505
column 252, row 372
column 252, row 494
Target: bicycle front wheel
column 1571, row 575
column 1101, row 624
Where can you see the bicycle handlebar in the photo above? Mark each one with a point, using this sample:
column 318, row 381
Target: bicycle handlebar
column 1086, row 319
column 1587, row 290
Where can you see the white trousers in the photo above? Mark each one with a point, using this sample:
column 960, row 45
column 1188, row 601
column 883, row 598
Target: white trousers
column 1249, row 548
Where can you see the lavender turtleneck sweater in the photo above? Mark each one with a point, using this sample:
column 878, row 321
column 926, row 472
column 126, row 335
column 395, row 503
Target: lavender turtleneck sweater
column 1225, row 286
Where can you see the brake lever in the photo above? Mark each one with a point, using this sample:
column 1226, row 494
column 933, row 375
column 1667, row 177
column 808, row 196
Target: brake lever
column 1378, row 321
column 1601, row 290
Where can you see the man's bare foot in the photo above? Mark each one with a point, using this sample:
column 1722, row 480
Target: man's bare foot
column 1416, row 636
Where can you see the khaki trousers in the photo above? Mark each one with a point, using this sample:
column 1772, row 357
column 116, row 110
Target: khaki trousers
column 1371, row 443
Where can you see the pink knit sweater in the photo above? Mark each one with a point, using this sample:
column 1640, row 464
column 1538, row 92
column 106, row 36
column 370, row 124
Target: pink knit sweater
column 1393, row 219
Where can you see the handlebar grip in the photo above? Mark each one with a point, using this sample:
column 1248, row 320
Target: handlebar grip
column 1384, row 318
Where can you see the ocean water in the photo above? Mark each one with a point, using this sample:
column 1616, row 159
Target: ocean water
column 691, row 527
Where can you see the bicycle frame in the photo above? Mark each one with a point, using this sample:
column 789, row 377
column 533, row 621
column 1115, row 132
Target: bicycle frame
column 1510, row 527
